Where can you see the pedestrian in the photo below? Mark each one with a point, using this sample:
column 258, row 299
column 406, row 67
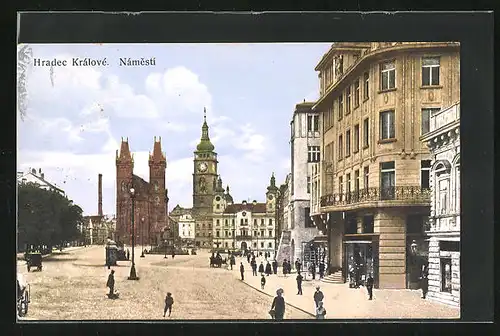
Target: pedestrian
column 318, row 296
column 321, row 270
column 232, row 262
column 288, row 267
column 254, row 267
column 298, row 265
column 424, row 284
column 262, row 281
column 320, row 311
column 169, row 301
column 313, row 270
column 278, row 305
column 268, row 269
column 275, row 266
column 299, row 284
column 242, row 271
column 248, row 257
column 369, row 286
column 284, row 267
column 261, row 267
column 128, row 254
column 111, row 283
column 173, row 254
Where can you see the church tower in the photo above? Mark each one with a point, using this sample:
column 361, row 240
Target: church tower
column 271, row 195
column 204, row 185
column 158, row 196
column 124, row 172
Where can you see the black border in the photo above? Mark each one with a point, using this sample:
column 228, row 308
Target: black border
column 472, row 30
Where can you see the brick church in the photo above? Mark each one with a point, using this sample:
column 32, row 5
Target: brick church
column 151, row 198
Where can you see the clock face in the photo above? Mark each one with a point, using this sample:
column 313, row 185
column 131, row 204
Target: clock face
column 270, row 197
column 202, row 167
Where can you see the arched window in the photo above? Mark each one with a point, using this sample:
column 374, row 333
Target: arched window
column 442, row 184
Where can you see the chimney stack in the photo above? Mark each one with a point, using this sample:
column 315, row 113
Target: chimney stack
column 99, row 202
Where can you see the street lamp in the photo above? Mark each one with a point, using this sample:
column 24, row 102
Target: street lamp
column 142, row 237
column 165, row 246
column 133, row 274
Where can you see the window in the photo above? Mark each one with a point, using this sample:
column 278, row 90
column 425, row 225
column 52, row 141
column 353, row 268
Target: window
column 262, row 233
column 368, row 221
column 316, row 123
column 387, row 180
column 308, row 184
column 262, row 244
column 255, row 233
column 226, row 234
column 270, row 245
column 366, row 89
column 217, row 206
column 341, row 106
column 217, row 222
column 241, row 221
column 443, row 196
column 425, row 168
column 308, row 222
column 341, row 184
column 226, row 244
column 356, row 139
column 234, row 221
column 348, row 183
column 366, row 125
column 430, row 71
column 445, row 275
column 313, row 153
column 388, row 75
column 254, row 244
column 270, row 221
column 262, row 222
column 348, row 100
column 348, row 143
column 341, row 148
column 387, row 129
column 255, row 222
column 217, row 234
column 226, row 222
column 356, row 181
column 309, row 123
column 426, row 119
column 291, row 130
column 270, row 233
column 356, row 93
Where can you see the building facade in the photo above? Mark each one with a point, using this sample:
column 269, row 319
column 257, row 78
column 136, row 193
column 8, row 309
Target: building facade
column 443, row 141
column 150, row 198
column 375, row 102
column 246, row 225
column 187, row 228
column 38, row 178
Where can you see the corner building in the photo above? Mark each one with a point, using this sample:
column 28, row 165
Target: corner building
column 375, row 102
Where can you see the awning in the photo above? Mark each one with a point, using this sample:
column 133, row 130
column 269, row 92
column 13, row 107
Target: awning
column 320, row 239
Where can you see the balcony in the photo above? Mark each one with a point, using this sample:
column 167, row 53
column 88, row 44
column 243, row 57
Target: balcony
column 377, row 197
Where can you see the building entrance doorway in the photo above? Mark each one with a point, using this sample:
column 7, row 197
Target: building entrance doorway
column 361, row 259
column 244, row 246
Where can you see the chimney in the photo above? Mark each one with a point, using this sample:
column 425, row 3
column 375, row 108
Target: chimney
column 99, row 201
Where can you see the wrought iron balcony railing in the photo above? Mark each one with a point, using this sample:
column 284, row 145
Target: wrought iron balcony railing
column 400, row 193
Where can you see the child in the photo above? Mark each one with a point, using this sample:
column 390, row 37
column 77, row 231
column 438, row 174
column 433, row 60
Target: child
column 320, row 311
column 169, row 301
column 262, row 281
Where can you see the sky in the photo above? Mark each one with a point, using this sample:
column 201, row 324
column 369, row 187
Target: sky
column 77, row 115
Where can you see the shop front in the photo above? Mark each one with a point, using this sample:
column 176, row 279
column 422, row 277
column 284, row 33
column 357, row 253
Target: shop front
column 360, row 259
column 315, row 251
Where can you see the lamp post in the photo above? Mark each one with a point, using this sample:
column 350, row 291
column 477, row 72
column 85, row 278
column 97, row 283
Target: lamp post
column 133, row 274
column 142, row 237
column 165, row 246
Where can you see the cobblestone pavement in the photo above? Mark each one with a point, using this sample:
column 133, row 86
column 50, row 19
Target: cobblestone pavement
column 72, row 286
column 342, row 302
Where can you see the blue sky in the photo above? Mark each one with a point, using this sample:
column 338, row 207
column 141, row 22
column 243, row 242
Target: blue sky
column 75, row 121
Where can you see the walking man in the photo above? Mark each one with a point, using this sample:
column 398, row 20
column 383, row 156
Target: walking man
column 253, row 264
column 318, row 296
column 128, row 254
column 321, row 270
column 424, row 284
column 284, row 267
column 275, row 266
column 313, row 270
column 242, row 271
column 169, row 301
column 298, row 265
column 299, row 284
column 262, row 281
column 232, row 262
column 261, row 267
column 268, row 269
column 369, row 286
column 111, row 283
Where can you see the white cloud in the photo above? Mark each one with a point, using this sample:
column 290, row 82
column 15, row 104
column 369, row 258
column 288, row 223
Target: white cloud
column 87, row 110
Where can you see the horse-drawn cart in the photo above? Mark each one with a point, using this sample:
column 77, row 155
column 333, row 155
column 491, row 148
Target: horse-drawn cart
column 34, row 259
column 23, row 296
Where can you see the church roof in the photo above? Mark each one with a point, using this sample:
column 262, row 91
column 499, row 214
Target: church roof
column 250, row 207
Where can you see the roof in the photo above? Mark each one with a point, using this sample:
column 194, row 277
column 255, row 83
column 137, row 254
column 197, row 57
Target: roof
column 250, row 207
column 45, row 182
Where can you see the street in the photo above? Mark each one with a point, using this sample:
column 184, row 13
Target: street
column 72, row 286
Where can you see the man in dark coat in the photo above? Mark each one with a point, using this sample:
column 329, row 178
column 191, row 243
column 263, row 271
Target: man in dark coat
column 424, row 284
column 299, row 284
column 111, row 283
column 288, row 267
column 261, row 268
column 321, row 270
column 369, row 286
column 298, row 265
column 318, row 296
column 254, row 267
column 232, row 262
column 284, row 267
column 275, row 266
column 242, row 271
column 169, row 302
column 268, row 269
column 248, row 257
column 313, row 270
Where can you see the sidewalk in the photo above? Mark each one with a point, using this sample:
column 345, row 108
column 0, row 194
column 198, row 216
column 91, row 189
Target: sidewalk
column 342, row 302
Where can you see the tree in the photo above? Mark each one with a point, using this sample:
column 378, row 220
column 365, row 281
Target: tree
column 46, row 217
